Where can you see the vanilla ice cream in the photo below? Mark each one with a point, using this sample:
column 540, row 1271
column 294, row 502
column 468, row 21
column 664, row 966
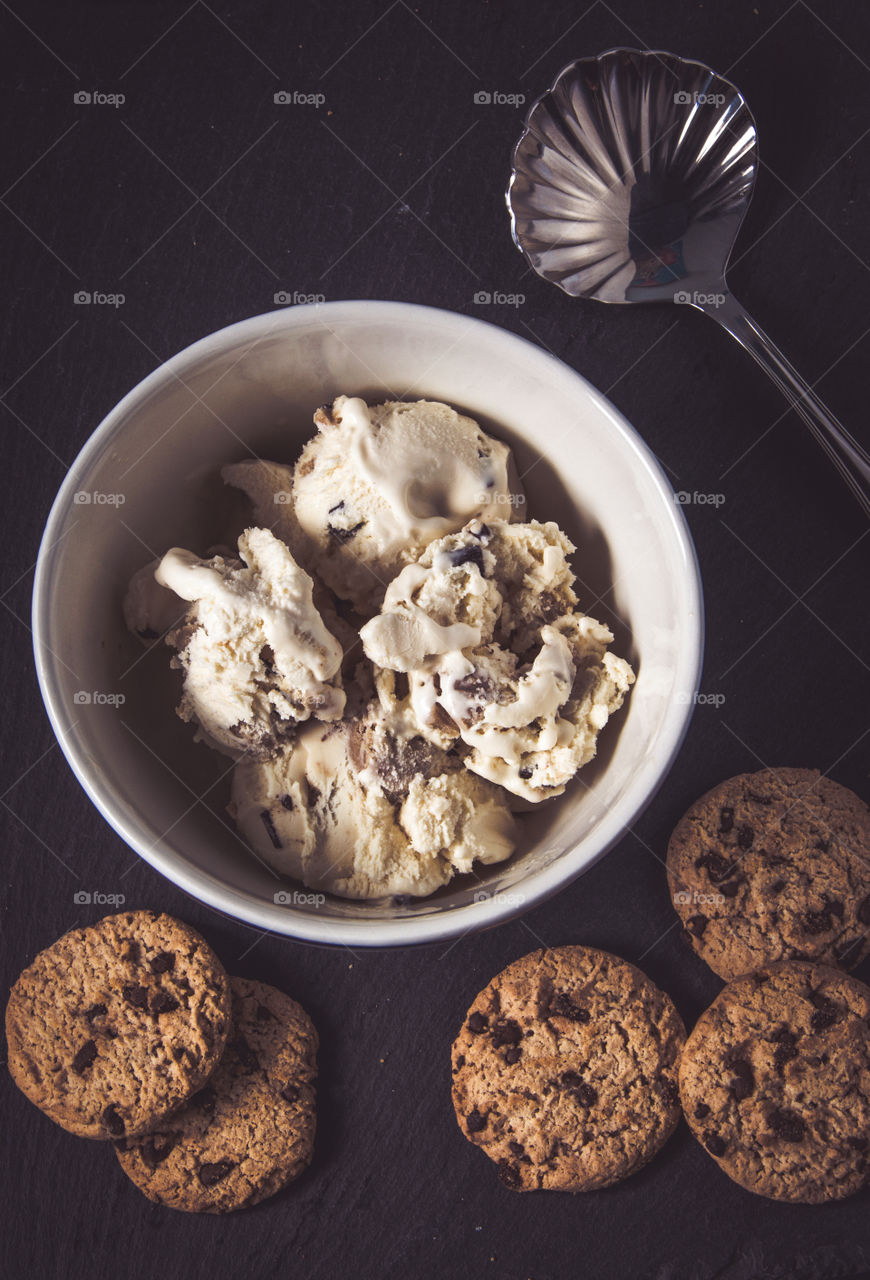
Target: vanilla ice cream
column 377, row 484
column 480, row 643
column 385, row 758
column 362, row 809
column 256, row 655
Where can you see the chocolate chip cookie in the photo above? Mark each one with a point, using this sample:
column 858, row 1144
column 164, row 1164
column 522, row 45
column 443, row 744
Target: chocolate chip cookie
column 251, row 1129
column 773, row 866
column 115, row 1025
column 775, row 1082
column 565, row 1070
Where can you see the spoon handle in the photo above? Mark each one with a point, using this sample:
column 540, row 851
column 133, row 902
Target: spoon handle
column 844, row 451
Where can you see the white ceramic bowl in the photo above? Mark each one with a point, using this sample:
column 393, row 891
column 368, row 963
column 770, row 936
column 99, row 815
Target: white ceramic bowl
column 149, row 479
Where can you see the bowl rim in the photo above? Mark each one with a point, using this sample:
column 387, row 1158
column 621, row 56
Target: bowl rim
column 402, row 930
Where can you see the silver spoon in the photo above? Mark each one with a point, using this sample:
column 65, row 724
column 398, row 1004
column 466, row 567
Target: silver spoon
column 629, row 184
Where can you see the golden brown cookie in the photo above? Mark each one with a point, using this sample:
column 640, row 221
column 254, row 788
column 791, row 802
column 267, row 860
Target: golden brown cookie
column 565, row 1070
column 775, row 1082
column 115, row 1025
column 773, row 866
column 250, row 1131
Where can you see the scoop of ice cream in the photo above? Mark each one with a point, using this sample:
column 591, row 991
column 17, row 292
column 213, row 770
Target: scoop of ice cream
column 488, row 581
column 534, row 577
column 269, row 486
column 377, row 485
column 256, row 655
column 479, row 643
column 362, row 809
column 150, row 610
column 531, row 728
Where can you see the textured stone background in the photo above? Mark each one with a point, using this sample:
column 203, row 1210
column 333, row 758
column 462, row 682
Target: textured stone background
column 199, row 198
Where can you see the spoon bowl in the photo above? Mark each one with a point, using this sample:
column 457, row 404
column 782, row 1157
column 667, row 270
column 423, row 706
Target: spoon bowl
column 632, row 177
column 629, row 184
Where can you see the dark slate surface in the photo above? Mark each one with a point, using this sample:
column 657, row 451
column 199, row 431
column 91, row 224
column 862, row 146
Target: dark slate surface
column 198, row 199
